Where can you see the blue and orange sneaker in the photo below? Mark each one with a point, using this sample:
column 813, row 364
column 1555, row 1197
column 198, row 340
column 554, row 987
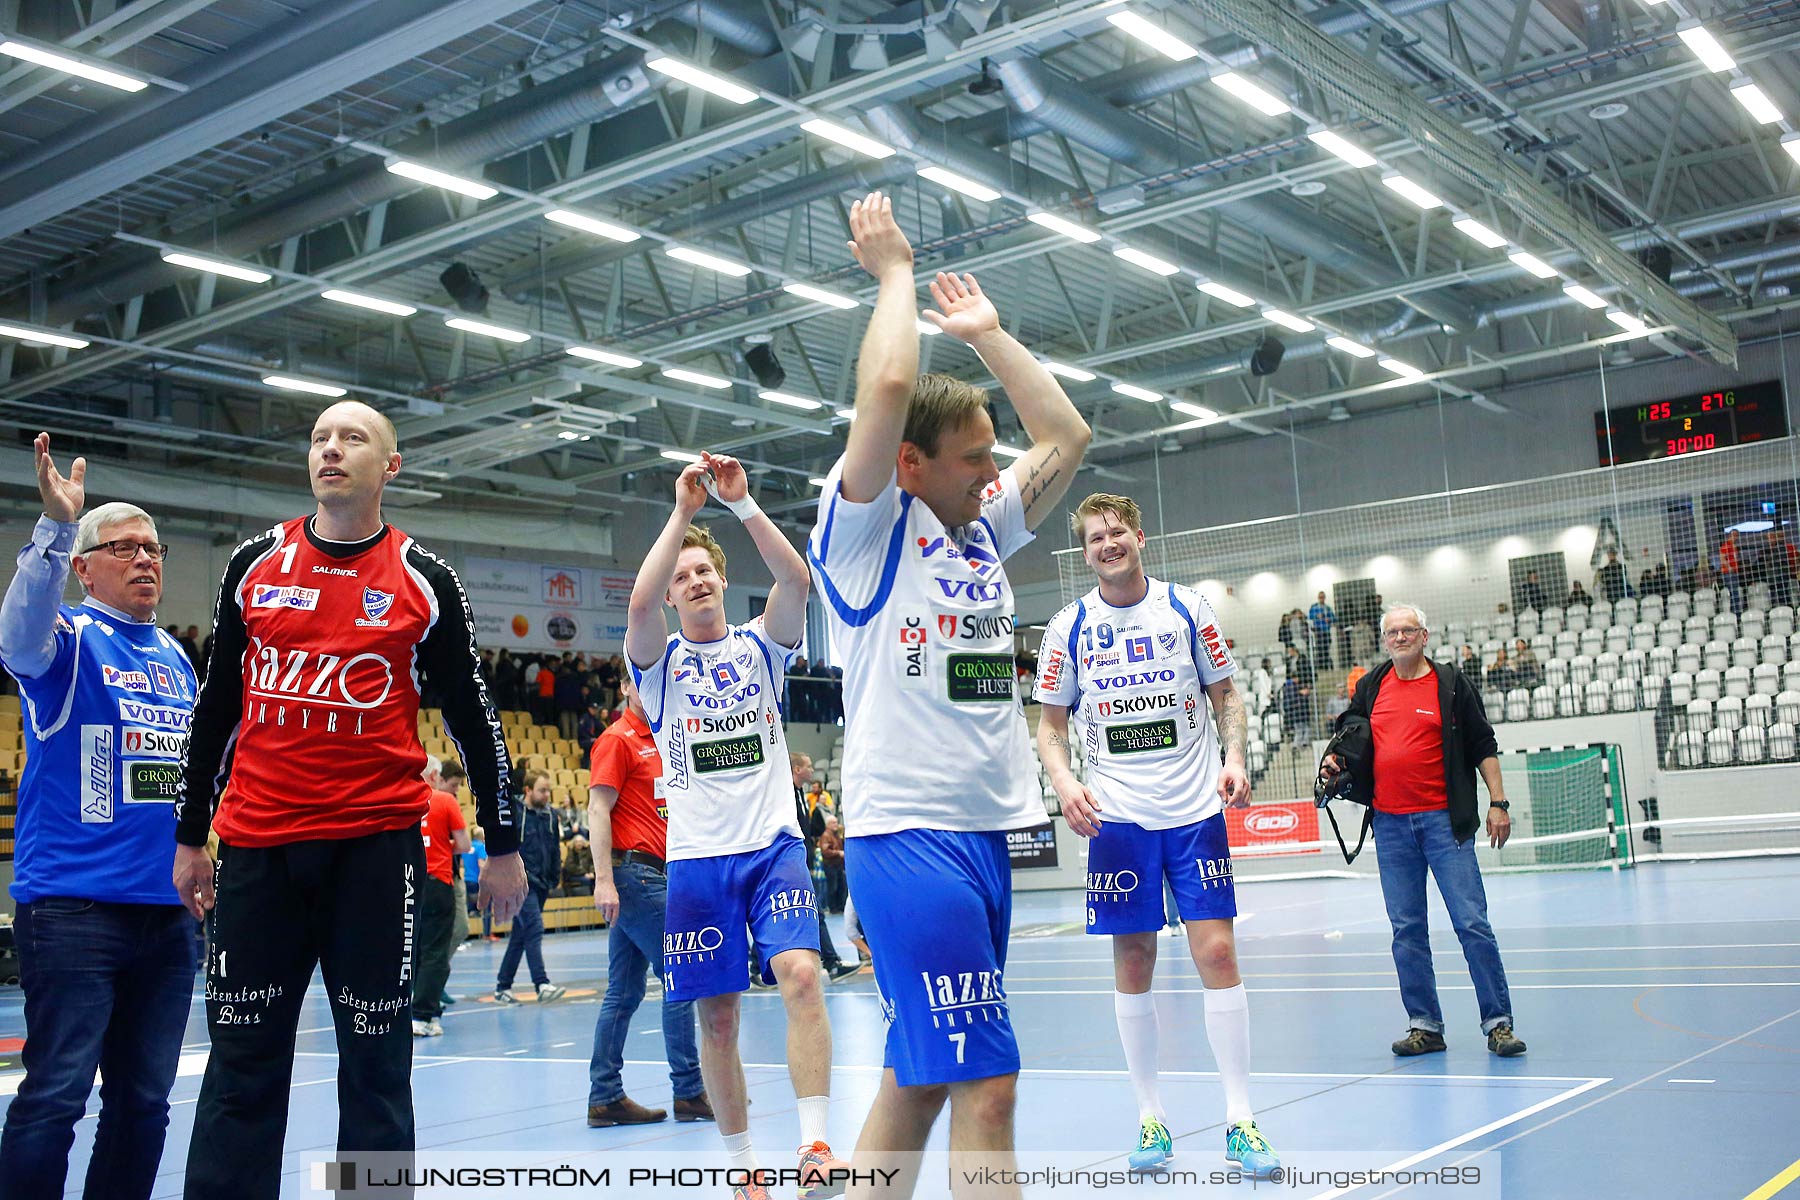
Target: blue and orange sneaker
column 1155, row 1146
column 822, row 1173
column 1248, row 1148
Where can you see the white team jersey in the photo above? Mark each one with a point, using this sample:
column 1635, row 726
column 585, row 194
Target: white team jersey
column 922, row 618
column 715, row 712
column 1134, row 680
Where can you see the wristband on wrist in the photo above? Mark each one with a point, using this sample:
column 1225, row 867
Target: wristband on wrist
column 743, row 509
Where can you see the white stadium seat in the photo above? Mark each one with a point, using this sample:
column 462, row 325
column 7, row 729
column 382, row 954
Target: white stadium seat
column 1650, row 608
column 1728, row 713
column 1706, row 602
column 1618, row 639
column 1781, row 741
column 1575, row 618
column 1528, row 625
column 1687, row 657
column 1481, row 632
column 1600, row 615
column 1758, row 596
column 1737, row 682
column 1787, row 708
column 1581, row 670
column 1760, row 711
column 1544, row 647
column 1716, row 656
column 1518, row 705
column 1668, row 633
column 1543, row 702
column 1681, row 689
column 1774, row 648
column 1688, row 749
column 1595, row 697
column 1790, row 677
column 1606, row 667
column 1631, row 664
column 1593, row 641
column 1745, row 652
column 1724, row 627
column 1653, row 689
column 1550, row 621
column 1643, row 635
column 1751, row 624
column 1699, row 715
column 1568, row 701
column 1568, row 645
column 1679, row 606
column 1625, row 612
column 1272, row 729
column 1752, row 744
column 1624, row 695
column 1708, row 685
column 1662, row 660
column 1556, row 672
column 1493, row 702
column 1696, row 630
column 1721, row 748
column 1781, row 620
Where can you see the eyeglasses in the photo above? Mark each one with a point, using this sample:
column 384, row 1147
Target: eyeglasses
column 1402, row 633
column 126, row 550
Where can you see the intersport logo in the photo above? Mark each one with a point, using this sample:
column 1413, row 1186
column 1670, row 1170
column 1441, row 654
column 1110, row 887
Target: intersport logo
column 1134, row 679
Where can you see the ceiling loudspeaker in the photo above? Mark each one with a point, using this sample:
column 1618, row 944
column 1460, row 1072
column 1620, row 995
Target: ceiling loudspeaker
column 1266, row 358
column 465, row 288
column 1658, row 260
column 765, row 366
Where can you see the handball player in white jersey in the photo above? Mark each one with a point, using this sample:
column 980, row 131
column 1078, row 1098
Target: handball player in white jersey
column 1134, row 662
column 712, row 696
column 915, row 522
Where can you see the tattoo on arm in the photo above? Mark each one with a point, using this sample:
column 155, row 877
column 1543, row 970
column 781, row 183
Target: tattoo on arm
column 1042, row 476
column 1234, row 725
column 1057, row 739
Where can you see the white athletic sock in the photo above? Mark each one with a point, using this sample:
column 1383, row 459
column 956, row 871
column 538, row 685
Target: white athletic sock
column 814, row 1111
column 1136, row 1014
column 1228, row 1031
column 737, row 1145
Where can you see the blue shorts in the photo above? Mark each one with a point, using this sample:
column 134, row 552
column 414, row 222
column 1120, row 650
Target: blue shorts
column 937, row 907
column 712, row 900
column 1126, row 865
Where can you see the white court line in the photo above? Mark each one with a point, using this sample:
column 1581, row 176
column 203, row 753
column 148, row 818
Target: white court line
column 1388, row 973
column 1102, row 951
column 1462, row 1139
column 1442, row 987
column 1692, row 1081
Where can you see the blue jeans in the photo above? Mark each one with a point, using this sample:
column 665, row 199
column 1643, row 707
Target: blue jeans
column 527, row 939
column 106, row 986
column 1405, row 846
column 636, row 943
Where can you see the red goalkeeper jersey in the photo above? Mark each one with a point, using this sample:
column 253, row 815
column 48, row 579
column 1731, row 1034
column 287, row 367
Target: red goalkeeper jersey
column 306, row 727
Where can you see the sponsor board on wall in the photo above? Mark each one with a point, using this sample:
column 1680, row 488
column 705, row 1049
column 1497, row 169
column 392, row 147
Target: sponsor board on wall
column 525, row 604
column 1032, row 847
column 1269, row 830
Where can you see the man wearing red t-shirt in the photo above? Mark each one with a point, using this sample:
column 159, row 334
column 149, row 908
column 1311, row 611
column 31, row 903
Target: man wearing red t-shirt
column 442, row 925
column 1431, row 737
column 628, row 821
column 305, row 737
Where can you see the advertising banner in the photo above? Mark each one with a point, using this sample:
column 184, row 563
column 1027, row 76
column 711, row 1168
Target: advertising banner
column 1260, row 830
column 523, row 604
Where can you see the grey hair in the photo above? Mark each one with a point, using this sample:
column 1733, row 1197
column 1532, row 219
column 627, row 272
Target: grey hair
column 87, row 534
column 1417, row 612
column 433, row 766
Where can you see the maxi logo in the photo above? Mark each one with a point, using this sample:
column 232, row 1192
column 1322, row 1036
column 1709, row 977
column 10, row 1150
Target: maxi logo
column 971, row 628
column 1139, row 649
column 981, row 593
column 1052, row 669
column 163, row 716
column 1125, row 705
column 1215, row 647
column 1112, row 884
column 1134, row 679
column 692, row 942
column 978, row 556
column 729, row 724
column 718, row 703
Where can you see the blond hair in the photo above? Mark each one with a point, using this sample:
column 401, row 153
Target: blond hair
column 1102, row 504
column 701, row 536
column 940, row 404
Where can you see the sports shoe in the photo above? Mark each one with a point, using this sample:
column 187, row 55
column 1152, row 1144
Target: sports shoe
column 1502, row 1041
column 446, row 999
column 817, row 1165
column 505, row 996
column 699, row 1108
column 1248, row 1148
column 547, row 992
column 750, row 1191
column 1419, row 1041
column 623, row 1111
column 1155, row 1147
column 843, row 970
column 427, row 1028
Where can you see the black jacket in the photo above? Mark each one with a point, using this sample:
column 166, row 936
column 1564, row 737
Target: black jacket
column 541, row 849
column 1468, row 738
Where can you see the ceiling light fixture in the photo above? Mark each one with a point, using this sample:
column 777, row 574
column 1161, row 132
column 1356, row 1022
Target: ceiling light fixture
column 1153, row 36
column 831, row 131
column 1199, row 411
column 1532, row 263
column 214, row 267
column 1345, row 149
column 1148, row 262
column 680, row 456
column 1582, row 296
column 959, row 183
column 392, row 308
column 1471, row 228
column 1756, row 102
column 1231, row 296
column 289, row 384
column 682, row 375
column 711, row 262
column 1705, row 46
column 1136, row 392
column 800, row 402
column 1630, row 324
column 807, row 291
column 1354, row 349
column 706, row 81
column 33, row 336
column 420, row 173
column 605, row 229
column 1254, row 94
column 605, row 356
column 1064, row 226
column 486, row 330
column 1419, row 195
column 1406, row 370
column 1008, row 451
column 1289, row 320
column 86, row 69
column 1068, row 372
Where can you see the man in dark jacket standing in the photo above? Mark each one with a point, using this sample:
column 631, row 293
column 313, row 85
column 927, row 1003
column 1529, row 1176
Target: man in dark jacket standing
column 541, row 848
column 1431, row 738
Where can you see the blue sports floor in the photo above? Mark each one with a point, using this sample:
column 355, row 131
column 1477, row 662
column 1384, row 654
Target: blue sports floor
column 1661, row 1006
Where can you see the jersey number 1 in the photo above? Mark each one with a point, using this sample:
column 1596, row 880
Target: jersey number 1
column 287, row 556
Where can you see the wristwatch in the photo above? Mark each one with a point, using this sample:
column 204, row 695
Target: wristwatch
column 1502, row 805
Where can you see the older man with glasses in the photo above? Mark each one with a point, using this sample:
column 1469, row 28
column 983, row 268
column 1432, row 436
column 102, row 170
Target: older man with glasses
column 1431, row 737
column 106, row 952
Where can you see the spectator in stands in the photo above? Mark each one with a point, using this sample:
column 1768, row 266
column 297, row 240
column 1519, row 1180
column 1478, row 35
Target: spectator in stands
column 1578, row 595
column 1356, row 673
column 591, row 725
column 836, row 715
column 454, row 778
column 1262, row 684
column 577, row 867
column 1531, row 593
column 609, row 681
column 508, row 679
column 1609, row 580
column 540, row 846
column 1335, row 706
column 821, row 691
column 1500, row 673
column 1469, row 662
column 485, row 668
column 570, row 686
column 472, row 860
column 106, row 952
column 1322, row 619
column 817, row 795
column 799, row 705
column 831, row 851
column 631, row 890
column 1431, row 737
column 1297, row 695
column 812, row 826
column 1297, row 630
column 190, row 642
column 1729, row 569
column 442, row 926
column 571, row 819
column 1528, row 672
column 544, row 711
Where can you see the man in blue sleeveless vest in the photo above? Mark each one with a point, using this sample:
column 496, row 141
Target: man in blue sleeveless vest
column 106, row 951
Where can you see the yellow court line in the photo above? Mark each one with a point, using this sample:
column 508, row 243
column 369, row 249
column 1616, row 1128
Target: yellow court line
column 1778, row 1183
